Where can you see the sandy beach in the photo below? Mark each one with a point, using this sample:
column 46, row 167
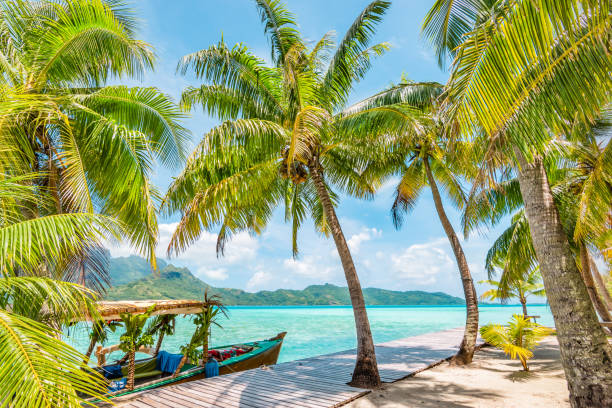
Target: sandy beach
column 492, row 380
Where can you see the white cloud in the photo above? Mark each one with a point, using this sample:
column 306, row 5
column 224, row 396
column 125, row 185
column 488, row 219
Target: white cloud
column 313, row 267
column 242, row 247
column 215, row 274
column 355, row 241
column 259, row 280
column 423, row 264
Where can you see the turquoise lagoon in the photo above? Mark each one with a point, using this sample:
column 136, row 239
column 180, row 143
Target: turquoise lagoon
column 315, row 330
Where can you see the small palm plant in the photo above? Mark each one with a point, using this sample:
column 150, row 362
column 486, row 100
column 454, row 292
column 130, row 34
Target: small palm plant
column 517, row 339
column 520, row 288
column 134, row 338
column 99, row 334
column 162, row 325
column 201, row 335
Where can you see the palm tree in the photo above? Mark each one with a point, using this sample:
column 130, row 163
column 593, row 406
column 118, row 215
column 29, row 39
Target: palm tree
column 572, row 169
column 38, row 369
column 517, row 339
column 515, row 288
column 201, row 335
column 134, row 337
column 531, row 71
column 409, row 114
column 92, row 146
column 278, row 143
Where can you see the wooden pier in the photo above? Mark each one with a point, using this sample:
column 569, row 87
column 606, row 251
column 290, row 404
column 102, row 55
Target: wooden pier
column 316, row 382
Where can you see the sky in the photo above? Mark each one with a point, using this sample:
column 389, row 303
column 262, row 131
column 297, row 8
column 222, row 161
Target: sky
column 417, row 257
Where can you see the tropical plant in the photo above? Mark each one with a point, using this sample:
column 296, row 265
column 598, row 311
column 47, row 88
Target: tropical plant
column 203, row 322
column 91, row 146
column 517, row 339
column 162, row 325
column 516, row 288
column 570, row 168
column 38, row 369
column 408, row 113
column 99, row 334
column 527, row 73
column 134, row 338
column 278, row 143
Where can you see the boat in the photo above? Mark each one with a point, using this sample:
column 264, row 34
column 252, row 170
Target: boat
column 149, row 372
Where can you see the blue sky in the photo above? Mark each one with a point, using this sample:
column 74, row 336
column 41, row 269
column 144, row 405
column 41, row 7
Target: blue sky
column 417, row 257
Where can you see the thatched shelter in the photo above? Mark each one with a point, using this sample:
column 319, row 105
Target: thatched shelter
column 110, row 310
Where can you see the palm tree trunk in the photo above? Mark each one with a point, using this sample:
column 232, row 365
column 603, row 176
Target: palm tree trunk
column 587, row 276
column 92, row 344
column 180, row 366
column 131, row 370
column 524, row 304
column 468, row 344
column 585, row 352
column 601, row 285
column 365, row 374
column 159, row 343
column 205, row 349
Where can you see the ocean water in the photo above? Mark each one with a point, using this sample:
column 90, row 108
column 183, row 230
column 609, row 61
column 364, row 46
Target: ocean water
column 315, row 330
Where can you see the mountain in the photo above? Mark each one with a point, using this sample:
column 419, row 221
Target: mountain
column 179, row 283
column 129, row 269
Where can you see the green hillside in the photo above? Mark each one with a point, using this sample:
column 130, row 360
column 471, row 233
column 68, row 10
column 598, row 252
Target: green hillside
column 129, row 269
column 178, row 283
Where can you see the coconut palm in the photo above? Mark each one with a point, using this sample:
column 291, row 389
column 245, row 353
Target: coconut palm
column 515, row 288
column 278, row 143
column 134, row 337
column 572, row 170
column 517, row 339
column 38, row 369
column 99, row 334
column 203, row 322
column 527, row 73
column 92, row 146
column 408, row 114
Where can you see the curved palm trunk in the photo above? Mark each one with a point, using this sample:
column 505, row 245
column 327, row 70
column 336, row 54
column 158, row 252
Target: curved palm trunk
column 160, row 339
column 365, row 374
column 585, row 352
column 92, row 344
column 131, row 370
column 587, row 276
column 524, row 304
column 601, row 285
column 180, row 366
column 468, row 344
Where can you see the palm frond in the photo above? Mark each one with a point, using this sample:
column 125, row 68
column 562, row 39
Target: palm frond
column 528, row 73
column 85, row 31
column 39, row 370
column 29, row 244
column 408, row 191
column 281, row 27
column 448, row 21
column 346, row 65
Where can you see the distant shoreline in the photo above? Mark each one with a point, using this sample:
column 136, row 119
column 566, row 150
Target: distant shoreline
column 374, row 306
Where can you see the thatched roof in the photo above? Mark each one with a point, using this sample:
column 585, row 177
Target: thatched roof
column 111, row 310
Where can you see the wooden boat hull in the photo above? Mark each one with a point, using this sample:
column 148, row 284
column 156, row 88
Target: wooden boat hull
column 267, row 356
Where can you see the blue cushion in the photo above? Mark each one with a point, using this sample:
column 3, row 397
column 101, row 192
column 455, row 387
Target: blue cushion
column 112, row 371
column 168, row 362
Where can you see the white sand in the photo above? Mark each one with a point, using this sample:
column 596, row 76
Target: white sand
column 492, row 380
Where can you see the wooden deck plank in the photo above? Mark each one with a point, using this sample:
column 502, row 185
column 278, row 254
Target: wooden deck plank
column 292, row 388
column 297, row 377
column 317, row 382
column 251, row 399
column 262, row 392
column 260, row 400
column 183, row 393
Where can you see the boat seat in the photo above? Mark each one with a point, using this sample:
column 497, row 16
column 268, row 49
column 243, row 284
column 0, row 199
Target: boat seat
column 153, row 373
